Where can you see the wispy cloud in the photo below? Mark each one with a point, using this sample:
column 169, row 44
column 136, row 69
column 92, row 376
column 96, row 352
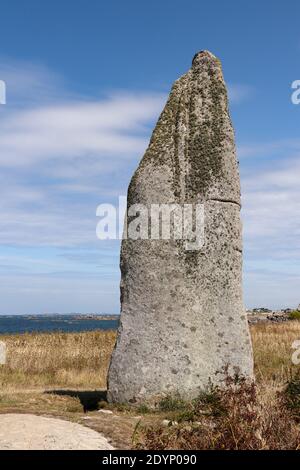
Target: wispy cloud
column 31, row 84
column 61, row 154
column 276, row 148
column 271, row 210
column 239, row 93
column 112, row 127
column 271, row 214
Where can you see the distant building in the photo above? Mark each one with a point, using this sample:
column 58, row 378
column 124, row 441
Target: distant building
column 287, row 310
column 261, row 310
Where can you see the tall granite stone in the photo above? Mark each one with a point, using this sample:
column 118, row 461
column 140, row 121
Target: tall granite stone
column 183, row 320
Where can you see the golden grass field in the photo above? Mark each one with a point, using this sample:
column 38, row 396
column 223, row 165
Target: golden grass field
column 40, row 366
column 272, row 347
column 80, row 360
column 76, row 360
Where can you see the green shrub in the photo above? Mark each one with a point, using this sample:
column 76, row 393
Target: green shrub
column 294, row 315
column 209, row 403
column 187, row 415
column 143, row 409
column 172, row 403
column 228, row 418
column 292, row 394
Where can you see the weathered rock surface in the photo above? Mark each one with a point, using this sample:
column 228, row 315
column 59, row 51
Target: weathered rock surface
column 182, row 314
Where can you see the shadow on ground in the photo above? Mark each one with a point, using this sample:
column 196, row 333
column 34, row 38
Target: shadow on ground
column 88, row 399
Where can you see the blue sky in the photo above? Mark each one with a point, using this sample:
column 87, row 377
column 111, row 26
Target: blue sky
column 85, row 84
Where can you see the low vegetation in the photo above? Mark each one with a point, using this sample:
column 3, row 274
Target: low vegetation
column 265, row 415
column 292, row 396
column 244, row 416
column 237, row 417
column 295, row 315
column 56, row 360
column 272, row 347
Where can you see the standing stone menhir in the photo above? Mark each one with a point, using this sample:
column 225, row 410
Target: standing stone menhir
column 182, row 315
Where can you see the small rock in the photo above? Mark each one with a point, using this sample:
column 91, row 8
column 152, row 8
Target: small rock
column 166, row 423
column 108, row 412
column 188, row 428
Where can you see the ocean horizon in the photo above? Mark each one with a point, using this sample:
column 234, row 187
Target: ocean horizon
column 50, row 323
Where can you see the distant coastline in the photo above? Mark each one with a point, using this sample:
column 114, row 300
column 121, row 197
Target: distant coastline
column 47, row 323
column 95, row 316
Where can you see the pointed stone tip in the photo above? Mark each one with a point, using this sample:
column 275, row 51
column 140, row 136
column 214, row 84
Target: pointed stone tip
column 206, row 55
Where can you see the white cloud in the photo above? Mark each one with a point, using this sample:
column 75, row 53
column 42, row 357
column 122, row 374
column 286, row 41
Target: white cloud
column 271, row 215
column 281, row 148
column 61, row 294
column 111, row 127
column 30, row 84
column 238, row 93
column 271, row 210
column 61, row 155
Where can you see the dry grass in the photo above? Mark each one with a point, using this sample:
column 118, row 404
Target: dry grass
column 272, row 346
column 68, row 360
column 242, row 416
column 79, row 361
column 233, row 418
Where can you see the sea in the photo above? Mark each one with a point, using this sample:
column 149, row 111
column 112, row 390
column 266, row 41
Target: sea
column 18, row 324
